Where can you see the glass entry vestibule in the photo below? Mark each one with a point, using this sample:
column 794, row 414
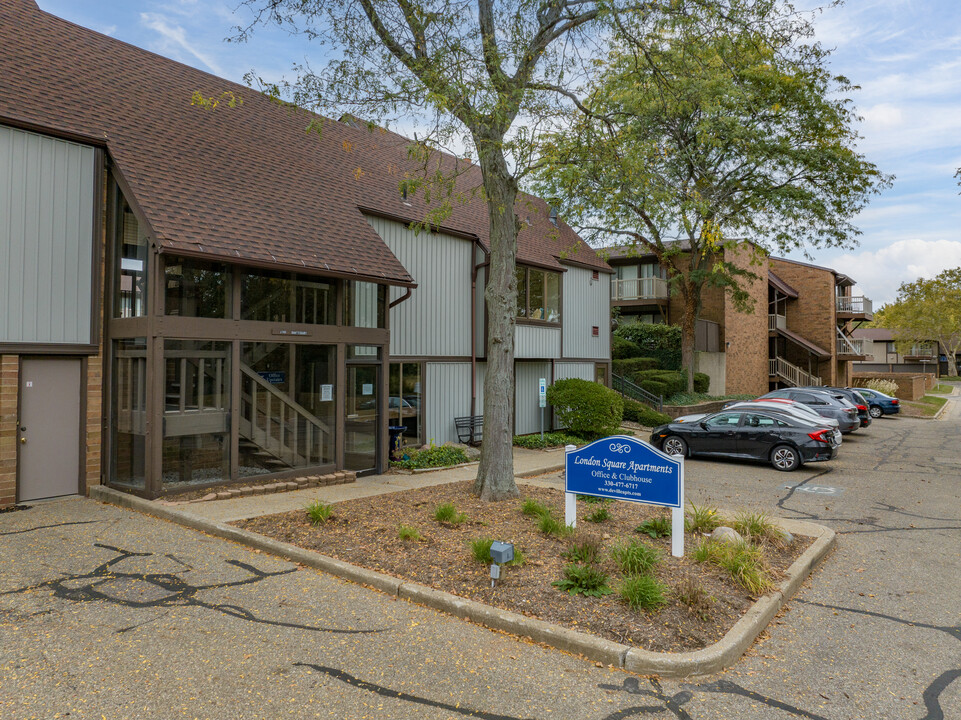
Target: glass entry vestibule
column 220, row 372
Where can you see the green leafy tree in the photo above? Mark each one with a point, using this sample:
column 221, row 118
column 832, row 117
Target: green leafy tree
column 928, row 311
column 691, row 142
column 486, row 75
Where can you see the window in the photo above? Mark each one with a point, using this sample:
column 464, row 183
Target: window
column 724, row 421
column 538, row 294
column 131, row 249
column 405, row 401
column 193, row 288
column 761, row 421
column 365, row 304
column 128, row 416
column 283, row 297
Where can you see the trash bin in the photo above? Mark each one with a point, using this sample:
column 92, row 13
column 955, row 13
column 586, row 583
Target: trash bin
column 396, row 441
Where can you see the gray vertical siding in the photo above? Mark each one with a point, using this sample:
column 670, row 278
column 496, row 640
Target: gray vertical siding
column 435, row 320
column 537, row 341
column 46, row 238
column 447, row 395
column 564, row 370
column 527, row 414
column 587, row 303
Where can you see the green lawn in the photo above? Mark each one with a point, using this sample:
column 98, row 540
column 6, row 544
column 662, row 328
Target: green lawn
column 941, row 389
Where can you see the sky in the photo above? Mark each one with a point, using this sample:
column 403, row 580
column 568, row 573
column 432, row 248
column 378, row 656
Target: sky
column 904, row 54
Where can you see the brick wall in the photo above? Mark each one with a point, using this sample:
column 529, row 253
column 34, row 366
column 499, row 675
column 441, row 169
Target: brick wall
column 910, row 386
column 745, row 333
column 813, row 314
column 9, row 388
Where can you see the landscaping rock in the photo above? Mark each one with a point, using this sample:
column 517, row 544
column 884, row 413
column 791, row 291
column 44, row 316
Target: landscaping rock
column 727, row 535
column 209, row 496
column 224, row 495
column 788, row 537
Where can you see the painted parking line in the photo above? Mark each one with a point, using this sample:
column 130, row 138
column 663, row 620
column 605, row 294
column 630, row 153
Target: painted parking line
column 816, row 489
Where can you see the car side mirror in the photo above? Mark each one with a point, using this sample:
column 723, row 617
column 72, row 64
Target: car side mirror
column 703, row 425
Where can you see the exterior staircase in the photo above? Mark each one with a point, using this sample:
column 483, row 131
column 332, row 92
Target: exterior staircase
column 628, row 389
column 790, row 374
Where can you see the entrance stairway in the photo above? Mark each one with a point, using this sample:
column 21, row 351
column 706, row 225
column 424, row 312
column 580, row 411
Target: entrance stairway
column 791, row 375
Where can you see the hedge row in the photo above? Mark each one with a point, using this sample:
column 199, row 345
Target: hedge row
column 669, row 382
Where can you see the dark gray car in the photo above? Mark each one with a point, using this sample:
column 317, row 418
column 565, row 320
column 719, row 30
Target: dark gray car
column 824, row 403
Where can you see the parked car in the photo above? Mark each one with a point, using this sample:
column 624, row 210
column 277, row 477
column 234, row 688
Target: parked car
column 880, row 404
column 853, row 397
column 768, row 435
column 824, row 403
column 788, row 406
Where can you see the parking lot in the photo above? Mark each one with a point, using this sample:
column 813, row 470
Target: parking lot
column 106, row 613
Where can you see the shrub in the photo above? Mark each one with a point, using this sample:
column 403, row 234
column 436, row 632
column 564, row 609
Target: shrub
column 660, row 382
column 643, row 592
column 448, row 513
column 633, row 365
column 594, row 500
column 702, row 382
column 408, row 532
column 702, row 519
column 319, row 512
column 555, row 439
column 584, row 549
column 586, row 408
column 480, row 549
column 622, row 348
column 658, row 341
column 584, row 579
column 888, row 387
column 634, row 557
column 640, row 413
column 655, row 527
column 439, row 456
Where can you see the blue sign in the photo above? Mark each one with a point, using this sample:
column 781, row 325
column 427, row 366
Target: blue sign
column 276, row 377
column 625, row 468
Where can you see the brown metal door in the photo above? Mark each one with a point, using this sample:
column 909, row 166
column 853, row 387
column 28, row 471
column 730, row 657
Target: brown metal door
column 49, row 429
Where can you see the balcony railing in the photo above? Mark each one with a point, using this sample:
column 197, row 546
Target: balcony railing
column 649, row 288
column 850, row 346
column 921, row 351
column 857, row 305
column 776, row 322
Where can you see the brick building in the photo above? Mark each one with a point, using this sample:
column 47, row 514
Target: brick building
column 806, row 338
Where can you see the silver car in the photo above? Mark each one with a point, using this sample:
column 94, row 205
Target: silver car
column 789, row 407
column 824, row 403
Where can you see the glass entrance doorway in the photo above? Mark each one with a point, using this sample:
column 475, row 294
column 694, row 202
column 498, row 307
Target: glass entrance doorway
column 362, row 436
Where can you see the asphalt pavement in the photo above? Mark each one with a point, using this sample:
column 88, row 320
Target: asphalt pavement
column 105, row 613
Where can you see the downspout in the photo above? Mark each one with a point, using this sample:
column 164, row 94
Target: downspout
column 473, row 326
column 401, row 299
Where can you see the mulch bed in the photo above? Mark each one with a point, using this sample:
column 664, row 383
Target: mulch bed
column 365, row 533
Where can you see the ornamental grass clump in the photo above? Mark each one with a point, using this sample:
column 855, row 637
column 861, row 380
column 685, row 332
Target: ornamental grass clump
column 635, row 557
column 587, row 580
column 689, row 592
column 585, row 549
column 532, row 508
column 703, row 519
column 643, row 592
column 656, row 527
column 550, row 525
column 744, row 563
column 598, row 516
column 447, row 513
column 480, row 549
column 319, row 512
column 757, row 527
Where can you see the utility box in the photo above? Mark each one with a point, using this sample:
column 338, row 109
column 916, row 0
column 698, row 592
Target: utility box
column 502, row 552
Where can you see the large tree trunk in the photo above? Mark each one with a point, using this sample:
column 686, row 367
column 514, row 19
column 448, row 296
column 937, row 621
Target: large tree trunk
column 692, row 301
column 495, row 475
column 952, row 357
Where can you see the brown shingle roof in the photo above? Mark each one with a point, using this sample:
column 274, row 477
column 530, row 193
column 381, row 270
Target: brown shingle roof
column 247, row 183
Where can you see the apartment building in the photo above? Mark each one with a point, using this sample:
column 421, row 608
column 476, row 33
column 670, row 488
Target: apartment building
column 881, row 354
column 806, row 338
column 192, row 298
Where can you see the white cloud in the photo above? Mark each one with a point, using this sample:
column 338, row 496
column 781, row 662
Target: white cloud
column 879, row 273
column 175, row 37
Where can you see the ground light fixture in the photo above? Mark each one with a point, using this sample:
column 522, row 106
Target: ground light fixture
column 501, row 553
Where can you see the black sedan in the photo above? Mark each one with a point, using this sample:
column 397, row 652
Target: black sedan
column 784, row 441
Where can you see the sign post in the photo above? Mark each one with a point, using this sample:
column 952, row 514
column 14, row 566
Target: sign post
column 542, row 401
column 625, row 468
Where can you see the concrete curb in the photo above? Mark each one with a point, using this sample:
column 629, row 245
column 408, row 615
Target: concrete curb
column 712, row 659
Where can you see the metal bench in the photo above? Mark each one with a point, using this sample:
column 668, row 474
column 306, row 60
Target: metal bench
column 470, row 430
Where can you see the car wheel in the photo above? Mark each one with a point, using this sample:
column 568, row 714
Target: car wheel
column 674, row 445
column 876, row 411
column 785, row 458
